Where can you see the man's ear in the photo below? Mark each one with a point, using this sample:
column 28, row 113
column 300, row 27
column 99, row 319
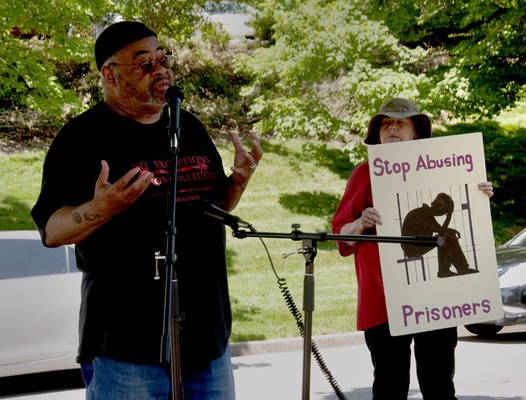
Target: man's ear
column 108, row 75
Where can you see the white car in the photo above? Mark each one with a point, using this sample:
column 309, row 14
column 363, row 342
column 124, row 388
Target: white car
column 234, row 18
column 39, row 305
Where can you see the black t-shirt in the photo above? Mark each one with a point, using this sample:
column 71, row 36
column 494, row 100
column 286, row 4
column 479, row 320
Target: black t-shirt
column 122, row 302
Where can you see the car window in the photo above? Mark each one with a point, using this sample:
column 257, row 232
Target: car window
column 23, row 258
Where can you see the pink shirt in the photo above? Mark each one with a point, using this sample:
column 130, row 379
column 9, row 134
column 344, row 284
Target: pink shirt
column 371, row 299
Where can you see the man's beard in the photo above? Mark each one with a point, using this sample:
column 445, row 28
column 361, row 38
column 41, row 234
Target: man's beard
column 147, row 98
column 155, row 101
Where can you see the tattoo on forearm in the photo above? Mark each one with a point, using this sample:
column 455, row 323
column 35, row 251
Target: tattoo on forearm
column 77, row 218
column 91, row 217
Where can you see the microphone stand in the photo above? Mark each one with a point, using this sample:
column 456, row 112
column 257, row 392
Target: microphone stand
column 170, row 350
column 309, row 250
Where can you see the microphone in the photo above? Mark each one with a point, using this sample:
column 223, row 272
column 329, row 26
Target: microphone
column 174, row 97
column 226, row 218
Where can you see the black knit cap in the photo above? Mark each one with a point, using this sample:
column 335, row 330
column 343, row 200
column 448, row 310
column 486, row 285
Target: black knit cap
column 117, row 36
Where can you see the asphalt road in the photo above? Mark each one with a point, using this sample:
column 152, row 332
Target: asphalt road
column 487, row 369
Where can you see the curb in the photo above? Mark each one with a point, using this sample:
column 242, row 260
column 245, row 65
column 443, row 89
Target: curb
column 295, row 344
column 355, row 338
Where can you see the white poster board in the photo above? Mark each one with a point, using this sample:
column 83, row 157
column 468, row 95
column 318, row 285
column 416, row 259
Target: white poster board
column 423, row 294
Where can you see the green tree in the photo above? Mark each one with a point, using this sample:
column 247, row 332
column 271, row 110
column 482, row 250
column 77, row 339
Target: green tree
column 330, row 64
column 176, row 19
column 477, row 64
column 47, row 63
column 327, row 69
column 41, row 40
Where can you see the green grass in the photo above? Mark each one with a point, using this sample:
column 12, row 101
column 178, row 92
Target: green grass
column 19, row 186
column 288, row 187
column 514, row 118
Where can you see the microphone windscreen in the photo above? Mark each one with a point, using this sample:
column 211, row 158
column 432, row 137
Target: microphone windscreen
column 174, row 92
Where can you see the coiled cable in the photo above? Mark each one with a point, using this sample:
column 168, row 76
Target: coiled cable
column 291, row 305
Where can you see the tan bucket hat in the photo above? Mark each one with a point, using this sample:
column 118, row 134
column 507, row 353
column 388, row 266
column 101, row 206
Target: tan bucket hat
column 398, row 108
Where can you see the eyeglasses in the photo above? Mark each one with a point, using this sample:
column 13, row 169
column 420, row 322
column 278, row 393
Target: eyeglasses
column 166, row 61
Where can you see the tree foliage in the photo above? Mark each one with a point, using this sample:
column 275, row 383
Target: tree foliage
column 332, row 63
column 39, row 40
column 176, row 19
column 482, row 44
column 47, row 64
column 325, row 67
column 329, row 66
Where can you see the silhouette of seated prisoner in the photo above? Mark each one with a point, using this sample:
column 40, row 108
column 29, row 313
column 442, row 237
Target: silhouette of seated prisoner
column 421, row 221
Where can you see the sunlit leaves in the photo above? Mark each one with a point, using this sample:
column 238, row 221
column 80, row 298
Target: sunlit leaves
column 485, row 43
column 51, row 33
column 328, row 69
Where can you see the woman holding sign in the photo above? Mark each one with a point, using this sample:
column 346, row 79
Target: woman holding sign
column 398, row 120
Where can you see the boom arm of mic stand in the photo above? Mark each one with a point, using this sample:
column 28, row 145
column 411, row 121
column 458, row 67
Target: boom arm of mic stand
column 324, row 236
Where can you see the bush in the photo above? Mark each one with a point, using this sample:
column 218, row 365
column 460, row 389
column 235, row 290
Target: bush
column 211, row 85
column 204, row 72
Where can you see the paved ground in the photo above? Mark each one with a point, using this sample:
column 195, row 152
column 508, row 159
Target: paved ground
column 486, row 370
column 273, row 370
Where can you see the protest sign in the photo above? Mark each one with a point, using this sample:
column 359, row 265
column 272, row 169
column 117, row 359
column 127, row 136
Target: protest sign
column 426, row 188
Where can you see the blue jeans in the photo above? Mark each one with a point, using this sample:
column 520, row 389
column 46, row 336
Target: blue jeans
column 107, row 379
